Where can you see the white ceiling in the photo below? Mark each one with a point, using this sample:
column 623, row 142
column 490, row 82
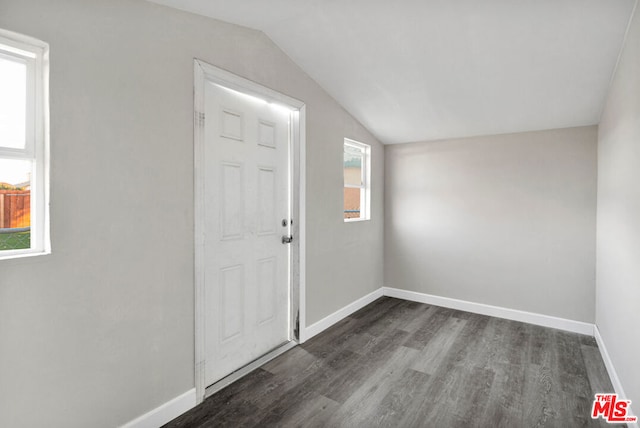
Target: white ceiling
column 416, row 70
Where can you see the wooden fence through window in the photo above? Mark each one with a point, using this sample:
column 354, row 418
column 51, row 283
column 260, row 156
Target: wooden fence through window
column 15, row 208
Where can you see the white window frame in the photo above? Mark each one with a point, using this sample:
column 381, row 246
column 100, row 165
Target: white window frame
column 365, row 187
column 35, row 54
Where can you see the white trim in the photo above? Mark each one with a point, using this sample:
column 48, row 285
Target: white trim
column 35, row 55
column 199, row 279
column 24, row 45
column 338, row 315
column 301, row 225
column 228, row 380
column 204, row 72
column 613, row 375
column 245, row 86
column 165, row 412
column 446, row 302
column 365, row 186
column 494, row 311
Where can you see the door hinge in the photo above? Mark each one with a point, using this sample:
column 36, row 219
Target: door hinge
column 199, row 118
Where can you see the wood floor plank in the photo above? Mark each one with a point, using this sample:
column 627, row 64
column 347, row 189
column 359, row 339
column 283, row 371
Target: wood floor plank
column 341, row 388
column 472, row 401
column 539, row 388
column 376, row 322
column 335, row 338
column 294, row 367
column 401, row 399
column 596, row 370
column 437, row 348
column 480, row 343
column 505, row 402
column 376, row 307
column 577, row 400
column 420, row 318
column 445, row 400
column 575, row 380
column 295, row 359
column 569, row 354
column 289, row 403
column 428, row 330
column 403, row 314
column 404, row 364
column 228, row 401
column 466, row 347
column 540, row 342
column 363, row 404
column 597, row 373
column 314, row 412
column 525, row 394
column 363, row 342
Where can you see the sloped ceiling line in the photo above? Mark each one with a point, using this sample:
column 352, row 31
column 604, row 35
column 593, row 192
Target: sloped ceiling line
column 435, row 69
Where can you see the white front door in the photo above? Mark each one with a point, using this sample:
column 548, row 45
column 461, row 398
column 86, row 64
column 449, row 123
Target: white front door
column 246, row 200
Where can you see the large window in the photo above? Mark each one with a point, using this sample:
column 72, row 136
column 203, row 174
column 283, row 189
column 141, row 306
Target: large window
column 357, row 187
column 23, row 146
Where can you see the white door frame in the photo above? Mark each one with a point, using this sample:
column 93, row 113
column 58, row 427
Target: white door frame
column 203, row 73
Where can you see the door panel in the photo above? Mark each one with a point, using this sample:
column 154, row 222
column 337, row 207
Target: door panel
column 231, row 302
column 267, row 198
column 246, row 193
column 267, row 289
column 231, row 189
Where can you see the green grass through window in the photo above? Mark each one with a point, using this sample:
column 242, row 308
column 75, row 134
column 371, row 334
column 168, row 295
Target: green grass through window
column 15, row 240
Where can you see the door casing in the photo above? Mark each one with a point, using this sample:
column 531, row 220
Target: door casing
column 204, row 72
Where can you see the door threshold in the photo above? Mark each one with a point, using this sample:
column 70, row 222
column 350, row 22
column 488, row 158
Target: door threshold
column 241, row 372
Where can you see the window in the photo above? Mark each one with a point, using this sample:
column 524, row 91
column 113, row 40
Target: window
column 23, row 146
column 357, row 178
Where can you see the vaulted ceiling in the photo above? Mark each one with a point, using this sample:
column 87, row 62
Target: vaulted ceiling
column 414, row 70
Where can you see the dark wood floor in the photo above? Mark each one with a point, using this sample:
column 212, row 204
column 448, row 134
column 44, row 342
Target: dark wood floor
column 403, row 364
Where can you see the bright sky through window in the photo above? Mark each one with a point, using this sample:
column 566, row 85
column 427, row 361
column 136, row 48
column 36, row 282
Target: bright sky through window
column 14, row 171
column 13, row 103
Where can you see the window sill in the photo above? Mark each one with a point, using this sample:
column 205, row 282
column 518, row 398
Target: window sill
column 355, row 220
column 24, row 254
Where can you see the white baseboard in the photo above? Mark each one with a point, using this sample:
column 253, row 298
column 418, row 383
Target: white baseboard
column 166, row 412
column 338, row 315
column 462, row 305
column 613, row 375
column 494, row 311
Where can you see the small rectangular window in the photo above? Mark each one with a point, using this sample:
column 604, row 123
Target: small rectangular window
column 356, row 167
column 24, row 228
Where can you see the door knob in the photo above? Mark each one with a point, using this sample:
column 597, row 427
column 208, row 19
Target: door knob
column 287, row 239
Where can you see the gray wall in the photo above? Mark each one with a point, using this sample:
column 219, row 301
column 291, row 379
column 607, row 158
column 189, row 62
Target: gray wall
column 618, row 237
column 101, row 331
column 504, row 220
